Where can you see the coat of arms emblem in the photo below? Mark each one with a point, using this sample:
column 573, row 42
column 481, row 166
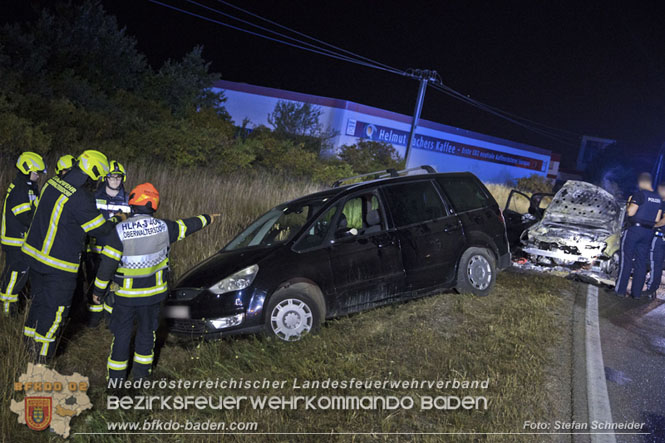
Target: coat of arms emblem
column 38, row 412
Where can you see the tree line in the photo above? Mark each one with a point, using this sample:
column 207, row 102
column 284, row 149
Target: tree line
column 73, row 79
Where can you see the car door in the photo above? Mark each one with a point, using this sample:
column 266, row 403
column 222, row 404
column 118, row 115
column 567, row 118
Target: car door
column 431, row 238
column 521, row 212
column 365, row 258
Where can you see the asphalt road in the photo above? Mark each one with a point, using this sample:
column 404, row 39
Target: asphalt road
column 632, row 335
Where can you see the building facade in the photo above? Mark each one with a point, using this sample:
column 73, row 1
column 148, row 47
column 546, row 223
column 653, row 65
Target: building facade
column 448, row 149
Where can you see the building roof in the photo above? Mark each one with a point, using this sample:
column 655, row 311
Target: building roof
column 370, row 110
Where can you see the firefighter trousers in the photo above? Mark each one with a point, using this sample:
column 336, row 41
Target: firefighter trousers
column 51, row 299
column 13, row 279
column 122, row 327
column 95, row 312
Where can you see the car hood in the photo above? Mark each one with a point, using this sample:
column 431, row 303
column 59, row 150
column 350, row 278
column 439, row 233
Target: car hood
column 567, row 234
column 221, row 265
column 584, row 208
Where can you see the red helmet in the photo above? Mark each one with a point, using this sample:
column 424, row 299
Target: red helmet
column 144, row 194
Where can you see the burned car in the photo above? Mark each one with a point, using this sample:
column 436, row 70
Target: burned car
column 581, row 228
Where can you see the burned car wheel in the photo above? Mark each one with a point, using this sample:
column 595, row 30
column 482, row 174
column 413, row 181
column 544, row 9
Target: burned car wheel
column 291, row 315
column 476, row 272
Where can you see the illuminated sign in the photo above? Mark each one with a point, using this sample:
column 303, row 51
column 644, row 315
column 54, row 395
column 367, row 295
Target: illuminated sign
column 378, row 133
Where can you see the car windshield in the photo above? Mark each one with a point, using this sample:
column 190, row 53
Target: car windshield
column 278, row 225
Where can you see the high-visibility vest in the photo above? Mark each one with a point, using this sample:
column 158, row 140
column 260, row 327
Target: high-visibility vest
column 145, row 243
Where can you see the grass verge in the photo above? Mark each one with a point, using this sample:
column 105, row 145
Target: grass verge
column 513, row 337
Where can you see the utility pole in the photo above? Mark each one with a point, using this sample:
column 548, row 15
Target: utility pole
column 424, row 76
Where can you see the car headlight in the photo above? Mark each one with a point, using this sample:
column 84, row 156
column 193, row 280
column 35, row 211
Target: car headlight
column 240, row 280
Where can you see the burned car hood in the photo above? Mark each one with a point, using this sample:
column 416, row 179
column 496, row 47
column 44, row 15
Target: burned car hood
column 221, row 265
column 583, row 208
column 582, row 222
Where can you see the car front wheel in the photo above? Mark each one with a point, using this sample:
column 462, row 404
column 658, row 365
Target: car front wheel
column 477, row 272
column 291, row 315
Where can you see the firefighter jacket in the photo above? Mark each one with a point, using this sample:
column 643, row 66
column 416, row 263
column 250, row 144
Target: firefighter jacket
column 136, row 257
column 65, row 215
column 17, row 210
column 108, row 206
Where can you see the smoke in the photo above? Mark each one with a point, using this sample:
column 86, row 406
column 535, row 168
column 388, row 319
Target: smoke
column 611, row 180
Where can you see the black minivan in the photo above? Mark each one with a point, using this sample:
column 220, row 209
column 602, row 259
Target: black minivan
column 344, row 250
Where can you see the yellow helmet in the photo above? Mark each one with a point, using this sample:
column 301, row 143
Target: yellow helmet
column 30, row 162
column 116, row 168
column 94, row 164
column 64, row 162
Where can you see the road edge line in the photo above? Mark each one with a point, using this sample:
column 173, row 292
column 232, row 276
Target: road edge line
column 598, row 399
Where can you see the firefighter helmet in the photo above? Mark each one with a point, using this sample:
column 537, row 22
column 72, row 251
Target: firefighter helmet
column 94, row 164
column 30, row 162
column 116, row 168
column 144, row 194
column 65, row 162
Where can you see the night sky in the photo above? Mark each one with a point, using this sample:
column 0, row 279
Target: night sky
column 589, row 68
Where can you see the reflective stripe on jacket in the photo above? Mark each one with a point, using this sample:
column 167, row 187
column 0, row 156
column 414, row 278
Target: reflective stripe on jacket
column 135, row 257
column 65, row 215
column 17, row 210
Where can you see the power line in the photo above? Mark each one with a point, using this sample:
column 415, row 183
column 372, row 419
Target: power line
column 479, row 105
column 263, row 28
column 515, row 116
column 257, row 34
column 302, row 34
column 562, row 136
column 410, row 72
column 500, row 113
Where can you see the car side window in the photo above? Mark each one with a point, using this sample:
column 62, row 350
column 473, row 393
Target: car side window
column 317, row 233
column 360, row 215
column 519, row 203
column 412, row 203
column 465, row 194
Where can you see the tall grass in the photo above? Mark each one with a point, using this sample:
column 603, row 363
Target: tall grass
column 239, row 199
column 507, row 337
column 499, row 192
column 184, row 193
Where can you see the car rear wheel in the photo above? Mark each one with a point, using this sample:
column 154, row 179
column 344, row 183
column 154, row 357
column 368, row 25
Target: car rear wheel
column 477, row 272
column 291, row 315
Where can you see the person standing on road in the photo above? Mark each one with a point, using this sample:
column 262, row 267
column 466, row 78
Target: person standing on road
column 136, row 259
column 19, row 205
column 65, row 215
column 643, row 211
column 111, row 199
column 657, row 251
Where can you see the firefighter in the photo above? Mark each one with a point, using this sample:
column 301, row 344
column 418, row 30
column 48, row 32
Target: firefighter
column 111, row 199
column 657, row 251
column 54, row 243
column 64, row 165
column 19, row 205
column 643, row 211
column 136, row 259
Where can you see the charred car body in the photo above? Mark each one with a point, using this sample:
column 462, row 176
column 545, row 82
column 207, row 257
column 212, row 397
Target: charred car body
column 344, row 250
column 581, row 228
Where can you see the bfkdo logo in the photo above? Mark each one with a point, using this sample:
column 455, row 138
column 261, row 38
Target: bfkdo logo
column 51, row 399
column 38, row 412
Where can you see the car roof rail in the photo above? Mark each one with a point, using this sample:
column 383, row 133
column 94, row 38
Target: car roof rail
column 392, row 172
